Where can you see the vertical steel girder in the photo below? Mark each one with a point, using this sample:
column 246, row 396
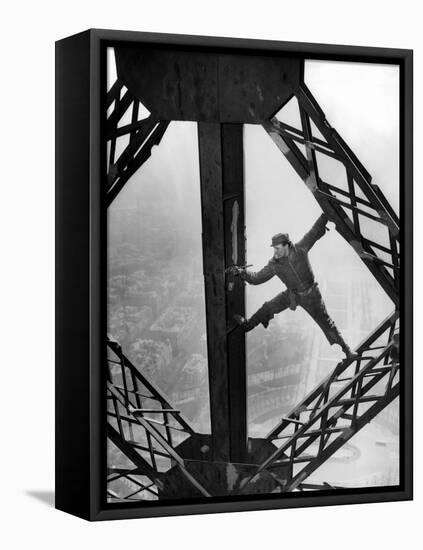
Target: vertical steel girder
column 222, row 186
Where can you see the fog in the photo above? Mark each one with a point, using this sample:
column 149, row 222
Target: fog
column 156, row 305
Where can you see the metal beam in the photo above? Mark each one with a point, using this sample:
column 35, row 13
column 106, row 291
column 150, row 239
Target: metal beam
column 233, row 214
column 221, row 173
column 317, row 416
column 306, row 168
column 129, row 451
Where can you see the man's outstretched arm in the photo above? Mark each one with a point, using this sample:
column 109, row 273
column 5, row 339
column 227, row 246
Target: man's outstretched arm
column 315, row 233
column 258, row 277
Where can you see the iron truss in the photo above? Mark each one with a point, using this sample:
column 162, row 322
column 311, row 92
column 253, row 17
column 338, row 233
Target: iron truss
column 342, row 404
column 143, row 425
column 145, row 428
column 351, row 200
column 140, row 137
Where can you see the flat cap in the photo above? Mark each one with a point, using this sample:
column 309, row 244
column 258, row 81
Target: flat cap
column 280, row 238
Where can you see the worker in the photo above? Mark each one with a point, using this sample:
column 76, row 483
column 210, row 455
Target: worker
column 290, row 262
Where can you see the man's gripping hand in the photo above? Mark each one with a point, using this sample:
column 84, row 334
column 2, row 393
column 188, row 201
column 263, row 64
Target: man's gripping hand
column 236, row 270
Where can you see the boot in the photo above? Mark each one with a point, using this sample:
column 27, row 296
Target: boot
column 349, row 354
column 336, row 338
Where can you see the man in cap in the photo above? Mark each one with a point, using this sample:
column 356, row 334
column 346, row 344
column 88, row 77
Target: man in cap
column 291, row 264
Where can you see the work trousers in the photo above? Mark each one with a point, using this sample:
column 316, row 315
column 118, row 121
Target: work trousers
column 311, row 301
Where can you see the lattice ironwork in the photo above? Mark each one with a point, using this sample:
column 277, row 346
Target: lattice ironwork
column 142, row 424
column 354, row 202
column 130, row 485
column 338, row 407
column 144, row 427
column 138, row 136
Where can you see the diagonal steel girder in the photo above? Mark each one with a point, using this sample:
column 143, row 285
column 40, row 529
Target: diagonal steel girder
column 286, row 138
column 143, row 136
column 317, row 417
column 126, row 395
column 157, row 437
column 375, row 207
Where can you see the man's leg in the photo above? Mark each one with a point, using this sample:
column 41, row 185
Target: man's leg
column 265, row 313
column 315, row 306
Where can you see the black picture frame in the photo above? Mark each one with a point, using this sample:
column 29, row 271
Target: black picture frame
column 80, row 277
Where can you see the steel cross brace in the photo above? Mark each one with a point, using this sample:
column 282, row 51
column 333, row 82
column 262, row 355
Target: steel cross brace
column 375, row 206
column 157, row 436
column 127, row 390
column 143, row 135
column 300, row 428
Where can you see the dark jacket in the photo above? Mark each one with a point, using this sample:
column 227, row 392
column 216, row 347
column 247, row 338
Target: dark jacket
column 293, row 270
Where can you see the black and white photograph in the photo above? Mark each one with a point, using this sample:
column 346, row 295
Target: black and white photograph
column 210, row 275
column 253, row 274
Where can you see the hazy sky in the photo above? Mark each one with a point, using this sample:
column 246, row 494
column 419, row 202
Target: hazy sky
column 360, row 101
